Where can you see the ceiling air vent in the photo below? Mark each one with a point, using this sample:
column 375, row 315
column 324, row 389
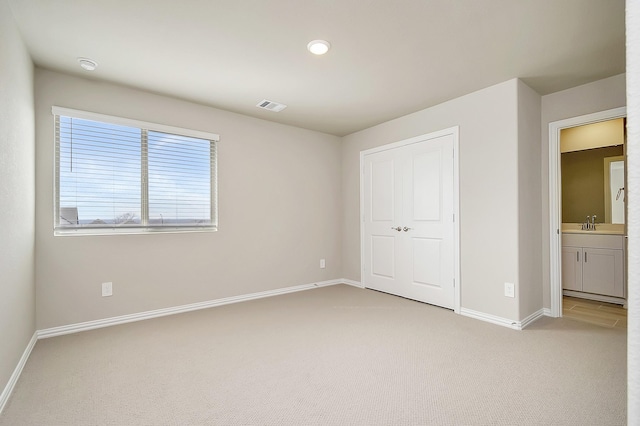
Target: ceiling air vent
column 271, row 106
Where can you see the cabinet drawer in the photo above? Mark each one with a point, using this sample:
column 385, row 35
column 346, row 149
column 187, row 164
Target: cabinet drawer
column 594, row 241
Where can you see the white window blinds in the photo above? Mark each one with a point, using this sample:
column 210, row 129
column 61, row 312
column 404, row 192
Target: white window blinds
column 179, row 179
column 115, row 174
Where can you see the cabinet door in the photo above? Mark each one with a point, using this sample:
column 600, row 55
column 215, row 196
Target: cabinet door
column 572, row 268
column 603, row 272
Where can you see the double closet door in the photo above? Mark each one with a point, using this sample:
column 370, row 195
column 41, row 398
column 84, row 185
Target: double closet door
column 408, row 219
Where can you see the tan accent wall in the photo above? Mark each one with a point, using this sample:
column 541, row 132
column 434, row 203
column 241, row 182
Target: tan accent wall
column 583, row 183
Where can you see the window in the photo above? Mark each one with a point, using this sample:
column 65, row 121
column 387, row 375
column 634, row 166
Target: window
column 119, row 175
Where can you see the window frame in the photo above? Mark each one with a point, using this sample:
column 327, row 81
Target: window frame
column 143, row 228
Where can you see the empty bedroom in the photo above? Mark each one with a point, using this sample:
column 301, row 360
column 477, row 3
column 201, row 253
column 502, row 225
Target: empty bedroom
column 319, row 212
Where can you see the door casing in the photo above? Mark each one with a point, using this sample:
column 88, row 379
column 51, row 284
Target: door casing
column 555, row 198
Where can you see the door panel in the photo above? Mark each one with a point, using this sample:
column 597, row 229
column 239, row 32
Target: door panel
column 427, row 273
column 383, row 257
column 427, row 186
column 382, row 199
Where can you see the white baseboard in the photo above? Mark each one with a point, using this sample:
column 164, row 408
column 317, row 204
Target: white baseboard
column 516, row 325
column 532, row 318
column 505, row 322
column 352, row 283
column 547, row 312
column 8, row 389
column 107, row 322
column 597, row 297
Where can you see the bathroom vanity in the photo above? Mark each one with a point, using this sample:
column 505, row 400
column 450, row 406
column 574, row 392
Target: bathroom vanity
column 593, row 262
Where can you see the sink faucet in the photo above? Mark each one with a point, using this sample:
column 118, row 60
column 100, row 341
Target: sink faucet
column 590, row 223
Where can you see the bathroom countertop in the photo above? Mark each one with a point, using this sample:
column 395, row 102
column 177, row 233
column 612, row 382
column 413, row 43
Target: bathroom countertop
column 601, row 229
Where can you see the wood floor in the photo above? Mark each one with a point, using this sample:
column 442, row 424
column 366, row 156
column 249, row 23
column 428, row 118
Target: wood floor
column 594, row 312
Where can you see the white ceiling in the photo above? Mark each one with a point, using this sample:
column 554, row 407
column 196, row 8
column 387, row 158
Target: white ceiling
column 388, row 58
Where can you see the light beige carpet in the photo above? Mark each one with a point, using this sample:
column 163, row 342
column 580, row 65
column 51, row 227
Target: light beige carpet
column 329, row 356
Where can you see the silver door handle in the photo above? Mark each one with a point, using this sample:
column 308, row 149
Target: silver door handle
column 585, row 257
column 396, row 229
column 405, row 229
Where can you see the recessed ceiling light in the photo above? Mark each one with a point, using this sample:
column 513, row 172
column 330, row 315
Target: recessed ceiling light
column 87, row 64
column 318, row 47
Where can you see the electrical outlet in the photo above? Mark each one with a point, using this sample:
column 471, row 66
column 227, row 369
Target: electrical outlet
column 509, row 289
column 107, row 289
column 323, row 264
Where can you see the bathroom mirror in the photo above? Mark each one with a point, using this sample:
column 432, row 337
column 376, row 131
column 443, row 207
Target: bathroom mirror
column 614, row 191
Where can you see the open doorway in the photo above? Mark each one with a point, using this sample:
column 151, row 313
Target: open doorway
column 578, row 243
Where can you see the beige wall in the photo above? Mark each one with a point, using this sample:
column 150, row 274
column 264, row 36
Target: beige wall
column 529, row 195
column 279, row 209
column 488, row 195
column 17, row 300
column 598, row 96
column 280, row 182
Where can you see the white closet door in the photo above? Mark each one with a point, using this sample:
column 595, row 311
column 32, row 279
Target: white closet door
column 428, row 213
column 408, row 232
column 383, row 189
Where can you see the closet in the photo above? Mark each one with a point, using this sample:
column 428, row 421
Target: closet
column 408, row 224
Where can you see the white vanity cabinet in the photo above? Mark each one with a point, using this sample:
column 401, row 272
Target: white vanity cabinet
column 593, row 263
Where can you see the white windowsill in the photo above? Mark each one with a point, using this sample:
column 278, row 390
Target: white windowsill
column 130, row 231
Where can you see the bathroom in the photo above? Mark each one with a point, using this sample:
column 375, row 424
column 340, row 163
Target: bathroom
column 593, row 213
